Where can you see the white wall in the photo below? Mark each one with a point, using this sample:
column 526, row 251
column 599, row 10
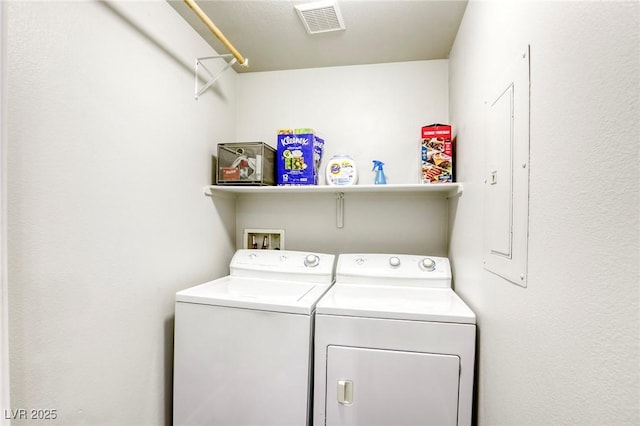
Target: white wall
column 107, row 155
column 565, row 350
column 366, row 111
column 4, row 298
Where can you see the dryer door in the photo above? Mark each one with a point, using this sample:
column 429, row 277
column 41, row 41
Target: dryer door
column 388, row 387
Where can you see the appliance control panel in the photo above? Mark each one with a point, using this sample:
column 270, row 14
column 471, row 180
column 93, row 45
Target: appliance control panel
column 372, row 268
column 284, row 264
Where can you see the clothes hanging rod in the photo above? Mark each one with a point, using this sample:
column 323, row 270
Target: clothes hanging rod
column 209, row 23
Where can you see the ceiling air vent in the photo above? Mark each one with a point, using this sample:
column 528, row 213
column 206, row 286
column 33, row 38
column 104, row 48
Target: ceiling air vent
column 320, row 17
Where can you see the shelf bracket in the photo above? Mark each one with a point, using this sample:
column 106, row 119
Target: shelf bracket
column 213, row 77
column 457, row 194
column 339, row 209
column 209, row 192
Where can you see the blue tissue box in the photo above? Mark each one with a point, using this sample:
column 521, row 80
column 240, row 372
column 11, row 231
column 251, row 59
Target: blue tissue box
column 299, row 153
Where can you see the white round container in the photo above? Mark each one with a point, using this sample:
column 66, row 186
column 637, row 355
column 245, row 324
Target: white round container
column 341, row 170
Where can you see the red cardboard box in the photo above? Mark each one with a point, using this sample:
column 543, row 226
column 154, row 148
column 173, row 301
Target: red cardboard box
column 437, row 154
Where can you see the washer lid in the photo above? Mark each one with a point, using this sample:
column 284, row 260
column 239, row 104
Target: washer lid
column 403, row 303
column 251, row 293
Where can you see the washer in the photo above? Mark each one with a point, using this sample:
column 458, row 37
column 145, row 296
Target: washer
column 243, row 343
column 394, row 345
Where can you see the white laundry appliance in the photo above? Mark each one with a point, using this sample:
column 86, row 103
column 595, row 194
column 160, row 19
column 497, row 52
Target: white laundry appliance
column 243, row 343
column 394, row 345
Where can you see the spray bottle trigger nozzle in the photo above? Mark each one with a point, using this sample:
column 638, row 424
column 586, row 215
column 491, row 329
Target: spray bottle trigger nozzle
column 377, row 167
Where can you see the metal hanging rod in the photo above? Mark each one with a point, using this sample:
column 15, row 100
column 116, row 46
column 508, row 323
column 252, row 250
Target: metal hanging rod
column 216, row 32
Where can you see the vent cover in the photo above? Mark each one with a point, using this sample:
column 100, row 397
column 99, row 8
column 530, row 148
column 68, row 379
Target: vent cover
column 320, row 17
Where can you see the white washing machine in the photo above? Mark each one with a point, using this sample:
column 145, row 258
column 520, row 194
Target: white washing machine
column 394, row 345
column 243, row 343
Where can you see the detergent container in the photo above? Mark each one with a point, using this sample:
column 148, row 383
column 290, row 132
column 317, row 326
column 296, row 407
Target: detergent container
column 341, row 170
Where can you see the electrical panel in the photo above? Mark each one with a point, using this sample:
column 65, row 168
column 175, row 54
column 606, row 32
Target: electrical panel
column 506, row 183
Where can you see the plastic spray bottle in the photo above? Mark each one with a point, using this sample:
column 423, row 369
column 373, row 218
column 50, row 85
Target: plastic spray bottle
column 380, row 178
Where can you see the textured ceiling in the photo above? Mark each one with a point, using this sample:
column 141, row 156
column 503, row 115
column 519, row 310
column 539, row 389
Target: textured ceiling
column 270, row 34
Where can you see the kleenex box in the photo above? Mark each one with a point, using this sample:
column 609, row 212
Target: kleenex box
column 299, row 153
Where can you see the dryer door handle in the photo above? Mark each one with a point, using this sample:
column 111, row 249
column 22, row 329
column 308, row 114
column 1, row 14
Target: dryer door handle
column 345, row 392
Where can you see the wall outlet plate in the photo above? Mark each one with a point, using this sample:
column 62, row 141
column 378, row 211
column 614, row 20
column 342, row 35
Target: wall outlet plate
column 267, row 239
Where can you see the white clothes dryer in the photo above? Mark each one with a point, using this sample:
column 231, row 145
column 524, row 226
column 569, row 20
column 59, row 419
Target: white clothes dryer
column 243, row 343
column 394, row 345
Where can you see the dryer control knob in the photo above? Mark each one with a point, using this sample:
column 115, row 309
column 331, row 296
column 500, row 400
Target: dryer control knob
column 427, row 264
column 394, row 261
column 311, row 261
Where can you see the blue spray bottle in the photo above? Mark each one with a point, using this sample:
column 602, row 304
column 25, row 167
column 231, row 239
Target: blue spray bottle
column 380, row 178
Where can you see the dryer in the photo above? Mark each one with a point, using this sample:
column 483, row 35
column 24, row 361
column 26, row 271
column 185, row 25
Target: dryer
column 394, row 345
column 243, row 343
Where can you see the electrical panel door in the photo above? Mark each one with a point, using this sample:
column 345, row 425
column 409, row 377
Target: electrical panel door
column 506, row 189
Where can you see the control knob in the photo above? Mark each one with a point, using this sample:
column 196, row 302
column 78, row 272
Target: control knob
column 311, row 261
column 394, row 261
column 427, row 264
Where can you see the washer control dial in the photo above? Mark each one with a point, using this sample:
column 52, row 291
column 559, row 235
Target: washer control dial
column 311, row 261
column 427, row 264
column 394, row 261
